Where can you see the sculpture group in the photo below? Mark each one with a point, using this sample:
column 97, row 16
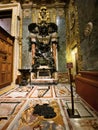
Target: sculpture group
column 43, row 43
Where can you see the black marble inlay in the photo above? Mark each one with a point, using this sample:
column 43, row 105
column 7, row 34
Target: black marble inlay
column 44, row 110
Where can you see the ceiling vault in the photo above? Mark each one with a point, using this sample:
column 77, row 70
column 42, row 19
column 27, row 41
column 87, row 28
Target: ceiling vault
column 37, row 2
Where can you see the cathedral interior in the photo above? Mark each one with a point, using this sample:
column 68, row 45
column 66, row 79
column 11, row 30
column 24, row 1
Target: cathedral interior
column 48, row 65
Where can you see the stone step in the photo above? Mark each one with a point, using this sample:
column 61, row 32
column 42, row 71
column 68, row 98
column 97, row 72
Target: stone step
column 44, row 81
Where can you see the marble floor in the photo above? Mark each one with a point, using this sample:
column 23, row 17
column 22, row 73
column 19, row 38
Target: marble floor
column 45, row 107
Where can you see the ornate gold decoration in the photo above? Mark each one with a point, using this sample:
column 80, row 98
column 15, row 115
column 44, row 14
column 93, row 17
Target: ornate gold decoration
column 43, row 15
column 72, row 32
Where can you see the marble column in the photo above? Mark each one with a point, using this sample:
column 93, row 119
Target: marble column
column 33, row 53
column 54, row 46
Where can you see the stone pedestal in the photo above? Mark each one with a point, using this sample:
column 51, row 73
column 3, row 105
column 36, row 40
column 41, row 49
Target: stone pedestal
column 44, row 81
column 43, row 76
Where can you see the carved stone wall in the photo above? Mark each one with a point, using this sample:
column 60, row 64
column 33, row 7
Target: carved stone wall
column 72, row 35
column 80, row 17
column 88, row 12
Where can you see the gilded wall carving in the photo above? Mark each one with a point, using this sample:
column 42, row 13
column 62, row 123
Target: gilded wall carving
column 72, row 32
column 35, row 15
